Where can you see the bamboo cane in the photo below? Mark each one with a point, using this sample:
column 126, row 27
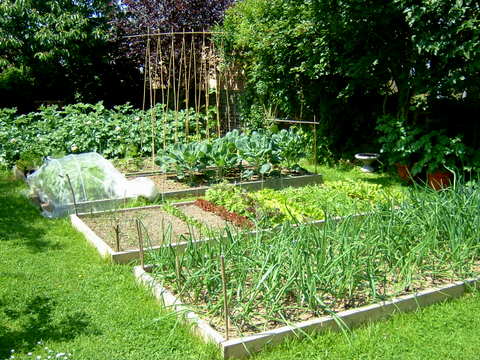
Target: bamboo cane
column 140, row 243
column 225, row 299
column 172, row 51
column 185, row 84
column 179, row 83
column 217, row 93
column 206, row 78
column 164, row 114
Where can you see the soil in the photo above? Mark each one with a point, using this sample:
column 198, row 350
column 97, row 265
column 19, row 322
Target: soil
column 294, row 313
column 167, row 183
column 158, row 225
column 135, row 165
column 234, row 218
column 204, row 217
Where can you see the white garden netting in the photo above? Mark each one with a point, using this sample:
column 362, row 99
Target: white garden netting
column 94, row 183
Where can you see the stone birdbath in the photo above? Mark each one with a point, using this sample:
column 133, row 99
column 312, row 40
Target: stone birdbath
column 367, row 160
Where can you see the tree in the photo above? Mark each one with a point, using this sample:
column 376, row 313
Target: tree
column 136, row 17
column 59, row 48
column 338, row 58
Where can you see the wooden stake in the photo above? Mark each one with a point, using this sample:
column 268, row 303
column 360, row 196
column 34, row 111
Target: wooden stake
column 152, row 101
column 73, row 194
column 225, row 299
column 164, row 114
column 227, row 85
column 179, row 86
column 169, row 83
column 117, row 237
column 177, row 269
column 185, row 84
column 206, row 78
column 140, row 242
column 174, row 79
column 217, row 87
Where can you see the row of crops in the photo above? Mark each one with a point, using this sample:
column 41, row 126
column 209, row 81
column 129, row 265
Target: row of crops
column 272, row 207
column 293, row 273
column 265, row 153
column 128, row 132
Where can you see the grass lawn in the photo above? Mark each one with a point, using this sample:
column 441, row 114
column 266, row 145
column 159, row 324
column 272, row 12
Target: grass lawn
column 54, row 288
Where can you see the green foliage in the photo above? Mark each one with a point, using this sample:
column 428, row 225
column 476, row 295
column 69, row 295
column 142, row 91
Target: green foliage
column 231, row 197
column 119, row 132
column 264, row 152
column 336, row 198
column 223, row 153
column 54, row 49
column 185, row 159
column 423, row 149
column 347, row 62
column 277, row 277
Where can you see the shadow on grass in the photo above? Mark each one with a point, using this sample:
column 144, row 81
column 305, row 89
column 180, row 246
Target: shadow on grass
column 19, row 219
column 37, row 320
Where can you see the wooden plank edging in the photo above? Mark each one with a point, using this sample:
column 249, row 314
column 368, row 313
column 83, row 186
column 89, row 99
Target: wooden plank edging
column 104, row 250
column 200, row 327
column 245, row 346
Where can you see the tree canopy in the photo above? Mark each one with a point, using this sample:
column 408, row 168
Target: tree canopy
column 53, row 48
column 298, row 52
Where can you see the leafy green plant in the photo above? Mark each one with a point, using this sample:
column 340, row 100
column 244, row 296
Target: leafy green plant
column 223, row 153
column 437, row 151
column 422, row 148
column 185, row 159
column 231, row 197
column 289, row 147
column 258, row 150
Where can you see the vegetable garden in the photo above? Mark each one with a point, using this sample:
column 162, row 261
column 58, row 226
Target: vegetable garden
column 296, row 273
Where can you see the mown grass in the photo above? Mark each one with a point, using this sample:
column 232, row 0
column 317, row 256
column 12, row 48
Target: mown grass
column 55, row 288
column 350, row 171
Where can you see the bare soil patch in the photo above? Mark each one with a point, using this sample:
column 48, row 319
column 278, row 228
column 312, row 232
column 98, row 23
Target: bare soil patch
column 160, row 226
column 207, row 218
column 167, row 183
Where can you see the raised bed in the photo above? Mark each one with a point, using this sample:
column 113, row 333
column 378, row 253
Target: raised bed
column 179, row 192
column 99, row 229
column 271, row 183
column 107, row 248
column 245, row 346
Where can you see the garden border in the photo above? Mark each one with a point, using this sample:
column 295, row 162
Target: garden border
column 245, row 346
column 105, row 251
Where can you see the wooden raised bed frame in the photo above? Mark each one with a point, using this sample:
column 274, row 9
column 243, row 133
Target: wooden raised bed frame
column 270, row 183
column 242, row 347
column 124, row 257
column 273, row 183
